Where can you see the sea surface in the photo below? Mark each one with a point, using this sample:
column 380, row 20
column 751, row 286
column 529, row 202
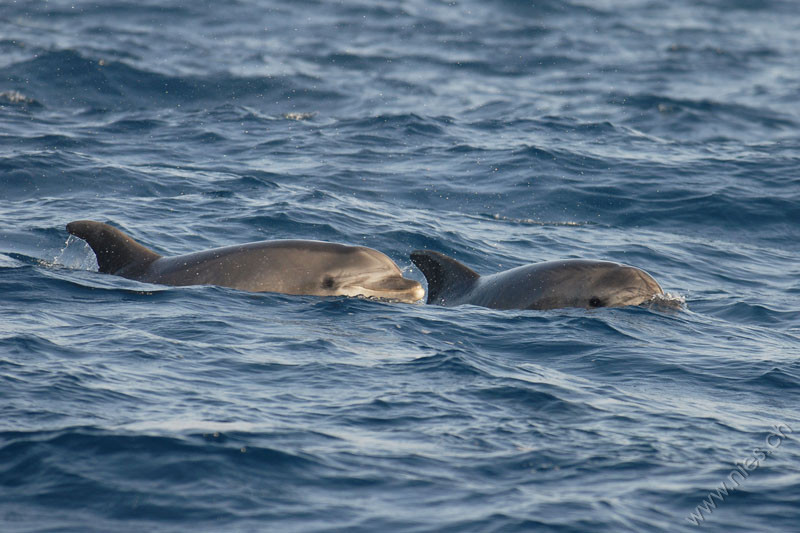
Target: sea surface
column 664, row 135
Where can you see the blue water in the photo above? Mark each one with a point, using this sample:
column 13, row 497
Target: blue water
column 659, row 134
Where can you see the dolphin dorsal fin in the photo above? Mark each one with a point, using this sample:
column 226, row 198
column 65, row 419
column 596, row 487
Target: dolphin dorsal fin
column 116, row 252
column 442, row 272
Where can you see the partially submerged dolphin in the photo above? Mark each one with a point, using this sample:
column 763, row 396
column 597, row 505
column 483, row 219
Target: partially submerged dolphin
column 289, row 267
column 550, row 285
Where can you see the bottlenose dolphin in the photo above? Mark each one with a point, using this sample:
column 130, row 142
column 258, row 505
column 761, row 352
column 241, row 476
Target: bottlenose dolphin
column 289, row 267
column 550, row 285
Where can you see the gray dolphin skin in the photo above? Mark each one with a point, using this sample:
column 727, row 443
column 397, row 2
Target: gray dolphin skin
column 550, row 285
column 289, row 267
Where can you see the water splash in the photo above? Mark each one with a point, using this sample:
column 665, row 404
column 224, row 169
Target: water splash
column 667, row 301
column 76, row 254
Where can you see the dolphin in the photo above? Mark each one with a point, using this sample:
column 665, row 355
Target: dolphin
column 550, row 285
column 284, row 266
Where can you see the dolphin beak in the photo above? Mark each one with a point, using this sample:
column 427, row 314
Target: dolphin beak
column 394, row 288
column 642, row 290
column 416, row 292
column 651, row 285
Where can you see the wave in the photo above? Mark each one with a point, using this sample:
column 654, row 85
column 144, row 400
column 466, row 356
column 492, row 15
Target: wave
column 68, row 78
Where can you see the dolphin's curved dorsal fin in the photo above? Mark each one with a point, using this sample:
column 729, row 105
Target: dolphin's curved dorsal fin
column 116, row 252
column 442, row 272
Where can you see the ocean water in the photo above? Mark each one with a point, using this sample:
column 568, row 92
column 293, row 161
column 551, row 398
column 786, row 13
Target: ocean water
column 659, row 134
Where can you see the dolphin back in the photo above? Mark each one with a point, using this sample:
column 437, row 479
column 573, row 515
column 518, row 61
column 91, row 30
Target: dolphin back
column 446, row 276
column 116, row 252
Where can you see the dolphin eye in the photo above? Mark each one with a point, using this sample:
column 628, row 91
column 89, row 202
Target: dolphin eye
column 595, row 302
column 327, row 282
